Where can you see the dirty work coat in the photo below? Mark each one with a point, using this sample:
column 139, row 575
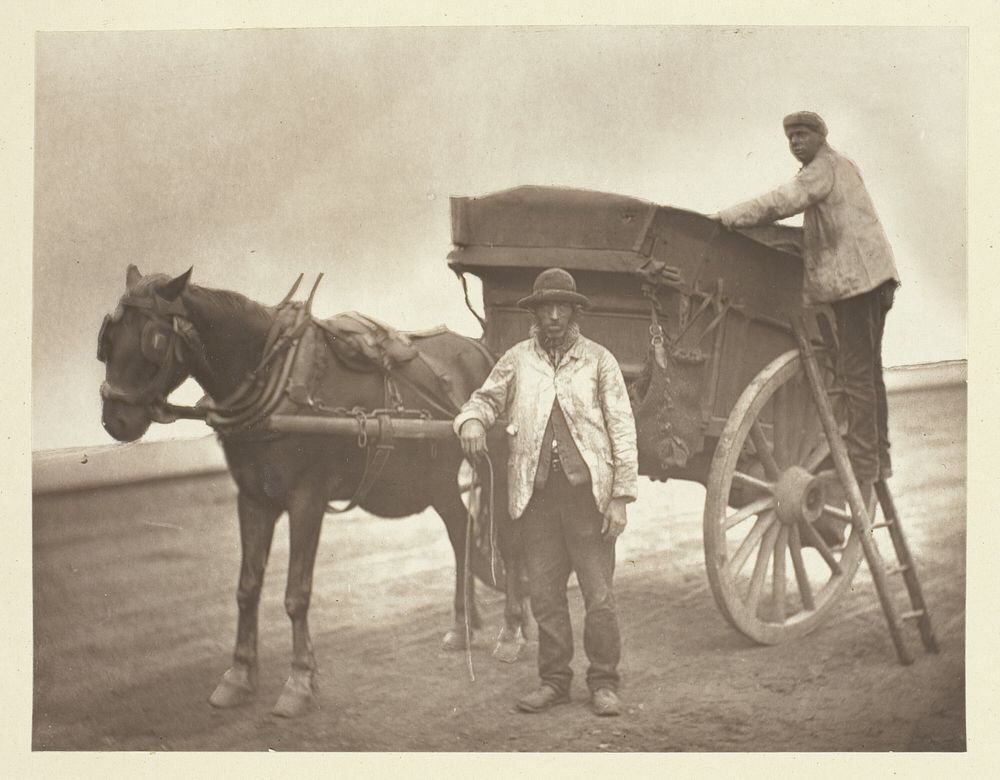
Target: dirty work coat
column 593, row 397
column 845, row 250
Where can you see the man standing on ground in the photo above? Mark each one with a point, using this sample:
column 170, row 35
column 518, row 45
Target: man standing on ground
column 572, row 470
column 849, row 265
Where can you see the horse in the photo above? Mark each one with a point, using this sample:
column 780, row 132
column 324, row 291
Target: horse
column 168, row 329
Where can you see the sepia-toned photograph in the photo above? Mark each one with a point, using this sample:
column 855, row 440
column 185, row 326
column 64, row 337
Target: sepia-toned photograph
column 495, row 389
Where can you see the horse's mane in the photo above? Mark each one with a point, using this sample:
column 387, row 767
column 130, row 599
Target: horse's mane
column 212, row 300
column 223, row 301
column 148, row 284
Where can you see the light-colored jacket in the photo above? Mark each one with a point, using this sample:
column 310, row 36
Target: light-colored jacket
column 845, row 249
column 591, row 391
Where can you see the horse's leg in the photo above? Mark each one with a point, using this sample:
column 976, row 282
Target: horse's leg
column 455, row 517
column 517, row 581
column 257, row 520
column 306, row 507
column 524, row 598
column 517, row 613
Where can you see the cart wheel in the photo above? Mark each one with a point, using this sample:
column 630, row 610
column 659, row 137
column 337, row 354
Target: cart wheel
column 773, row 575
column 486, row 563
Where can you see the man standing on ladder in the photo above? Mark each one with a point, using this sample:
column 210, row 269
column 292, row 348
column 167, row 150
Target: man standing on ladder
column 572, row 469
column 848, row 265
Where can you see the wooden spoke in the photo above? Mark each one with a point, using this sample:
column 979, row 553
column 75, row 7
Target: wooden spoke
column 821, row 548
column 764, row 522
column 801, row 577
column 763, row 449
column 816, row 456
column 751, row 481
column 751, row 509
column 778, row 584
column 811, row 430
column 794, row 421
column 839, row 513
column 760, row 567
column 780, row 410
column 776, row 418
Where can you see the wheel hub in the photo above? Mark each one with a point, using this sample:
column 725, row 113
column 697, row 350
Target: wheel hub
column 799, row 496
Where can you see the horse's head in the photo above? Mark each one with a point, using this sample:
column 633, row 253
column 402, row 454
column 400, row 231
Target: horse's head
column 142, row 348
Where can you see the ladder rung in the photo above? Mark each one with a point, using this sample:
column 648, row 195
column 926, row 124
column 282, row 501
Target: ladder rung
column 897, row 569
column 917, row 613
column 886, row 524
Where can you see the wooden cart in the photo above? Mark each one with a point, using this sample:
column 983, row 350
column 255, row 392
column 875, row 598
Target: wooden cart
column 710, row 332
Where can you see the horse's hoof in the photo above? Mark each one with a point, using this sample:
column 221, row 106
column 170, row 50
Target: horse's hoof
column 297, row 697
column 507, row 652
column 234, row 690
column 509, row 645
column 454, row 640
column 292, row 705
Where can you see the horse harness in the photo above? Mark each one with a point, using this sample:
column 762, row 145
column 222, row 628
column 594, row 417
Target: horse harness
column 365, row 346
column 244, row 413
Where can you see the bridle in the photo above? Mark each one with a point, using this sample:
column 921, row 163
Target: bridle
column 169, row 338
column 161, row 342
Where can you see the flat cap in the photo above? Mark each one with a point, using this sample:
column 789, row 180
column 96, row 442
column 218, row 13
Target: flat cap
column 806, row 119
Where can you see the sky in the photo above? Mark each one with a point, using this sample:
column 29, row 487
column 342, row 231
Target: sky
column 254, row 155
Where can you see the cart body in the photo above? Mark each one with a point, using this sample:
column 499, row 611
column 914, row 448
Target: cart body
column 724, row 304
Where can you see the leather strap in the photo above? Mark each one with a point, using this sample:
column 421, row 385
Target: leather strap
column 374, row 464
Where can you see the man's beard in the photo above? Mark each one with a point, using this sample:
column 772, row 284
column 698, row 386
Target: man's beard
column 547, row 342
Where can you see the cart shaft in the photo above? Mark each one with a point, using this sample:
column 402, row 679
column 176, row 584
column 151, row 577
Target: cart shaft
column 349, row 426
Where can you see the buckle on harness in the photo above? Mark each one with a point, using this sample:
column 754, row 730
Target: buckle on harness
column 384, row 441
column 362, row 419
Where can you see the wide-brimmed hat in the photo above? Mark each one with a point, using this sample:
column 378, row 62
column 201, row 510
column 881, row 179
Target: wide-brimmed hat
column 553, row 285
column 808, row 119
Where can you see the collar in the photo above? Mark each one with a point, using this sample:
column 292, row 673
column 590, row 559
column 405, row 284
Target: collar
column 573, row 352
column 823, row 151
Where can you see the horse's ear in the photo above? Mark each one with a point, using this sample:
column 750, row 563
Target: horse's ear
column 172, row 289
column 132, row 276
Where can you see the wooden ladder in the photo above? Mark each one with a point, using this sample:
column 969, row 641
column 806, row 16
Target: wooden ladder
column 863, row 526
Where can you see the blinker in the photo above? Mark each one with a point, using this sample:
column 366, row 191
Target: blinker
column 154, row 342
column 102, row 334
column 157, row 344
column 102, row 338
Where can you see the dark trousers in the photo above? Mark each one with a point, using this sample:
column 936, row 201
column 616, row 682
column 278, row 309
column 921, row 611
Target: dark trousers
column 860, row 322
column 562, row 533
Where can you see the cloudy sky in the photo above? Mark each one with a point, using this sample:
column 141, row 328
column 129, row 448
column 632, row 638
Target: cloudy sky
column 253, row 155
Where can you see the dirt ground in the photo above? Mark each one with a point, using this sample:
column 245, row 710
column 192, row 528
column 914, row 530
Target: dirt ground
column 135, row 614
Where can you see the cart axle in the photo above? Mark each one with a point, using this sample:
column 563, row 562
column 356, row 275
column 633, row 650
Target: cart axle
column 799, row 496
